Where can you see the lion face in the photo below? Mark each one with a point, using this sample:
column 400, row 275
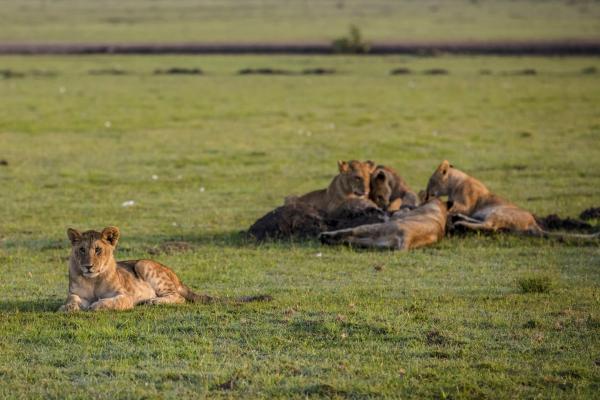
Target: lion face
column 381, row 189
column 91, row 251
column 438, row 183
column 356, row 176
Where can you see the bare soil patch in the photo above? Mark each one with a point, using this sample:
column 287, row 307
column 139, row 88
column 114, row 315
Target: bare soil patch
column 401, row 71
column 179, row 71
column 299, row 220
column 590, row 213
column 263, row 71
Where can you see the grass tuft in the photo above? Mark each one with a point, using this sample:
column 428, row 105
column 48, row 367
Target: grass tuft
column 535, row 284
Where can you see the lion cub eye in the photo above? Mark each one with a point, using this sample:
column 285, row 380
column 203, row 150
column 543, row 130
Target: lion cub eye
column 98, row 250
column 82, row 250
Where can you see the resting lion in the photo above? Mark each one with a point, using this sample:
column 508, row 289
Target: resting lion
column 97, row 281
column 419, row 227
column 477, row 208
column 352, row 182
column 389, row 191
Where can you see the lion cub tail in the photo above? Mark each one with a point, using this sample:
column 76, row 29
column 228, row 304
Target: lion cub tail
column 194, row 297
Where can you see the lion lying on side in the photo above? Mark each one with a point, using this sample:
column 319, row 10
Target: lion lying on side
column 351, row 184
column 97, row 281
column 419, row 227
column 477, row 208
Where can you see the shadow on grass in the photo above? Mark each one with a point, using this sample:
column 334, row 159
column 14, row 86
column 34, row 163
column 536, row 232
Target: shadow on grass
column 39, row 305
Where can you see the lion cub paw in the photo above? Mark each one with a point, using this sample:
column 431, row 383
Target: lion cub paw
column 69, row 308
column 99, row 305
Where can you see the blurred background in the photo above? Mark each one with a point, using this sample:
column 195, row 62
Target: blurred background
column 295, row 20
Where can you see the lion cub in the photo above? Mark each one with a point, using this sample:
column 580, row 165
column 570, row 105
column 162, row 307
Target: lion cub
column 389, row 191
column 97, row 281
column 352, row 182
column 419, row 227
column 474, row 205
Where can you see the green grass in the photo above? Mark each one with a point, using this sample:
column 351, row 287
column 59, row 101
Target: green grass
column 451, row 320
column 295, row 20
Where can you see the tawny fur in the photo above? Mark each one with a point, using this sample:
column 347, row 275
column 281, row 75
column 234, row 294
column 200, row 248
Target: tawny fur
column 352, row 182
column 415, row 228
column 475, row 205
column 389, row 191
column 98, row 282
column 477, row 208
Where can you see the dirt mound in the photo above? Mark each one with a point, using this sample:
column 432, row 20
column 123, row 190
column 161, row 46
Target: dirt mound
column 9, row 73
column 525, row 71
column 354, row 214
column 299, row 220
column 436, row 71
column 290, row 220
column 107, row 71
column 263, row 71
column 179, row 71
column 590, row 213
column 554, row 222
column 318, row 71
column 400, row 71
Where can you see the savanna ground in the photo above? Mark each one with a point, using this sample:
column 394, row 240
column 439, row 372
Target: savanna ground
column 295, row 20
column 449, row 320
column 203, row 156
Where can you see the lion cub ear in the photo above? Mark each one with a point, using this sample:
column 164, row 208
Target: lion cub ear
column 444, row 167
column 74, row 235
column 111, row 235
column 371, row 165
column 343, row 166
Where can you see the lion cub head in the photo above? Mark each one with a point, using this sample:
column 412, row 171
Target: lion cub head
column 381, row 187
column 438, row 183
column 92, row 251
column 356, row 177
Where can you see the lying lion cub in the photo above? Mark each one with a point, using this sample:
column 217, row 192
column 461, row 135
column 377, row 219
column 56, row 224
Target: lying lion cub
column 97, row 281
column 415, row 228
column 389, row 191
column 353, row 182
column 478, row 208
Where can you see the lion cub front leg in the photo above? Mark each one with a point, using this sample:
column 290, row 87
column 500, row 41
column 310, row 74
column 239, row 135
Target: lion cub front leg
column 173, row 298
column 119, row 302
column 74, row 303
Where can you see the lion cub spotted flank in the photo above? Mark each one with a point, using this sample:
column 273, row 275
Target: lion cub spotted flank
column 97, row 281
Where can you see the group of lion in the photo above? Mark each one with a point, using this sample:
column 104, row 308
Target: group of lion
column 416, row 221
column 97, row 281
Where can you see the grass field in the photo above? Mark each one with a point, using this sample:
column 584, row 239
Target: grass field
column 295, row 20
column 456, row 320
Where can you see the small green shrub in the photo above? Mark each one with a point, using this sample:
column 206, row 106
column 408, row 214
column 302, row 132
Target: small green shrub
column 352, row 44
